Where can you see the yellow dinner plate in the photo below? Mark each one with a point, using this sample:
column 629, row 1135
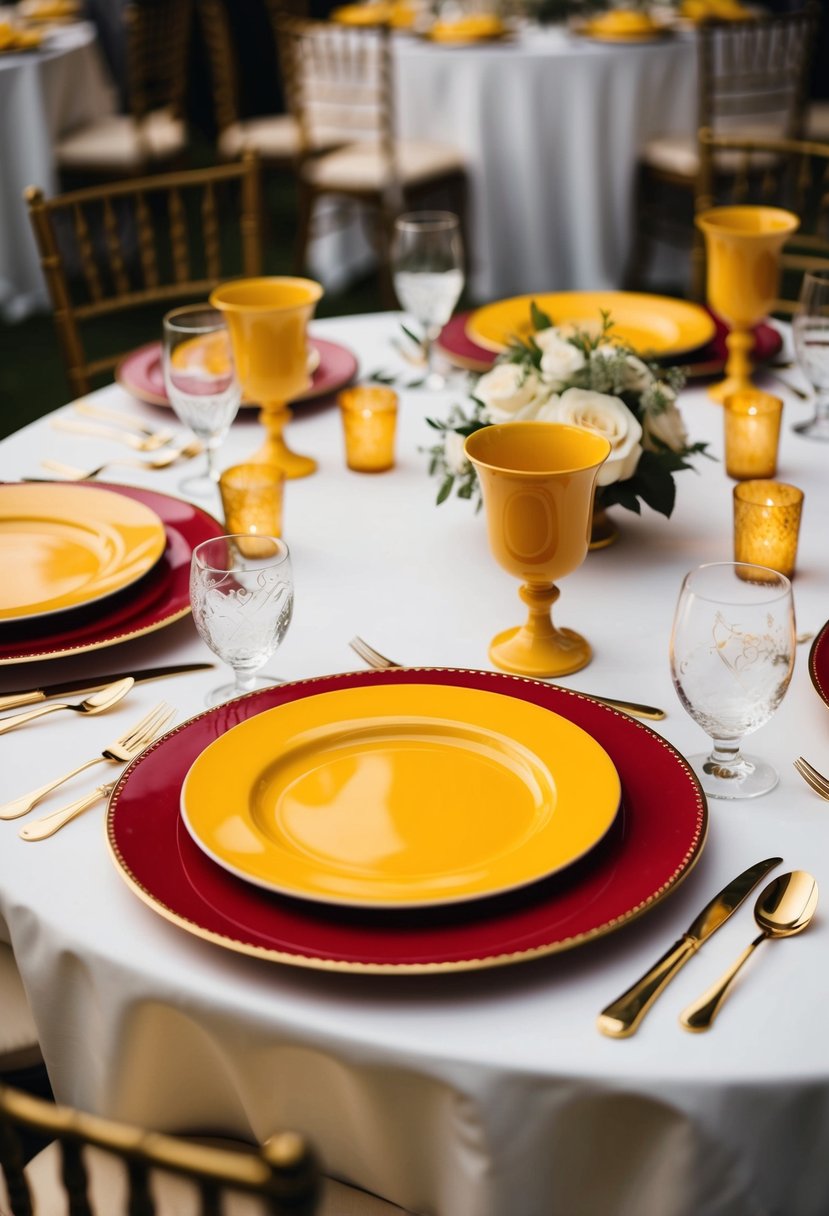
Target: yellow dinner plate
column 655, row 326
column 71, row 545
column 400, row 795
column 473, row 27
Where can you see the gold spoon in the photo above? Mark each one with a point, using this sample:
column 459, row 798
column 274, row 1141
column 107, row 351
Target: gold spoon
column 95, row 704
column 784, row 907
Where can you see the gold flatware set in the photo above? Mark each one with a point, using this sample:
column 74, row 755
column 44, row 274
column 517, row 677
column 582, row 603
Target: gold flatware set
column 94, row 704
column 785, row 907
column 121, row 428
column 380, row 662
column 162, row 461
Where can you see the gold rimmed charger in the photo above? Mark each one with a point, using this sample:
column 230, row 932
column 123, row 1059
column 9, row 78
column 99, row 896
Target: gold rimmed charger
column 655, row 326
column 394, row 796
column 70, row 546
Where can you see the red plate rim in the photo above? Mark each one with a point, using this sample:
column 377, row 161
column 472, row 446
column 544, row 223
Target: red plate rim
column 158, row 599
column 615, row 884
column 819, row 664
column 319, row 387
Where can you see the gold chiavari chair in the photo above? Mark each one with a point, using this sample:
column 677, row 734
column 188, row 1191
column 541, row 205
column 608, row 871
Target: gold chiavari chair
column 94, row 1165
column 340, row 88
column 156, row 240
column 752, row 81
column 97, row 1167
column 153, row 133
column 274, row 136
column 775, row 172
column 19, row 1047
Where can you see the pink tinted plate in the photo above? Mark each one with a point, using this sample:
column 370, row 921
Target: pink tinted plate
column 709, row 360
column 819, row 664
column 644, row 856
column 140, row 374
column 159, row 598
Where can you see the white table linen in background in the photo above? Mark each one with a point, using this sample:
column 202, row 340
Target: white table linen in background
column 480, row 1094
column 550, row 125
column 43, row 95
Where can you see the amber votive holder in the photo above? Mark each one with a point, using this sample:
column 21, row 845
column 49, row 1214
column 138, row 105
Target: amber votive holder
column 767, row 524
column 752, row 433
column 252, row 501
column 369, row 414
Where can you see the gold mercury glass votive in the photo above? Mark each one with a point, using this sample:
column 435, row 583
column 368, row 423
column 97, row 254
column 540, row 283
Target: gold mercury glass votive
column 252, row 501
column 752, row 433
column 767, row 524
column 369, row 414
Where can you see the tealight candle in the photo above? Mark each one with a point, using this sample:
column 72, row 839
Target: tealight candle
column 767, row 524
column 252, row 500
column 369, row 414
column 752, row 433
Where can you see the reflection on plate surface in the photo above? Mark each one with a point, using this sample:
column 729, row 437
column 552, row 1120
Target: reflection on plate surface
column 397, row 796
column 70, row 545
column 643, row 857
column 653, row 325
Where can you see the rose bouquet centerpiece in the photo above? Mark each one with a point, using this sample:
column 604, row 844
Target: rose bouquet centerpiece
column 589, row 380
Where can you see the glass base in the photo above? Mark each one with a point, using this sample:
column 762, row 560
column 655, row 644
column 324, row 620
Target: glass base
column 815, row 428
column 746, row 777
column 200, row 486
column 228, row 692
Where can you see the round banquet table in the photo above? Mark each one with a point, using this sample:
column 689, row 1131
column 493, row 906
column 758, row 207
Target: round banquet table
column 44, row 94
column 466, row 1094
column 550, row 125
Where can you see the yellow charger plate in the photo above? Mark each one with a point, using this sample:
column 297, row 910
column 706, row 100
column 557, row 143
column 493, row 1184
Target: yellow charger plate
column 71, row 545
column 655, row 326
column 473, row 27
column 400, row 796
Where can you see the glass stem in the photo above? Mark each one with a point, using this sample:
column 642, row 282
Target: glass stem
column 822, row 405
column 245, row 679
column 725, row 755
column 210, row 452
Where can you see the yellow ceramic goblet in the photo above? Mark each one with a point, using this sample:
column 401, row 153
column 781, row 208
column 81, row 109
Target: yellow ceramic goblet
column 538, row 480
column 742, row 247
column 267, row 319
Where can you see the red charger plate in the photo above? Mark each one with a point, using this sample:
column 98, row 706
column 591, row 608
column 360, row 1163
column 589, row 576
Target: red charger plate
column 159, row 598
column 652, row 846
column 709, row 360
column 819, row 663
column 140, row 374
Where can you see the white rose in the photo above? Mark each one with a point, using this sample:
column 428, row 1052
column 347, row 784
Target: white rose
column 606, row 416
column 666, row 426
column 453, row 451
column 510, row 392
column 635, row 376
column 560, row 359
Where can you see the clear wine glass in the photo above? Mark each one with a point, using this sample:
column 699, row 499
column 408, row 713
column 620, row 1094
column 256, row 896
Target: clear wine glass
column 732, row 654
column 201, row 382
column 811, row 341
column 242, row 594
column 427, row 268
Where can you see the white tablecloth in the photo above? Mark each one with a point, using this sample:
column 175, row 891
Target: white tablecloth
column 481, row 1094
column 550, row 125
column 43, row 95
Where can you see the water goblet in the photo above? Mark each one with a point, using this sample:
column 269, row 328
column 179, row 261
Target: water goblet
column 427, row 269
column 242, row 594
column 732, row 654
column 201, row 382
column 538, row 481
column 811, row 342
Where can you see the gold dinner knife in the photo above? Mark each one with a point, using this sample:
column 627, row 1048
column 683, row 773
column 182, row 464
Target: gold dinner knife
column 623, row 1016
column 34, row 696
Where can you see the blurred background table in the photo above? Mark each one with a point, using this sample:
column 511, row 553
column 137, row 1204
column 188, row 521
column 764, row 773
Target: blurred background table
column 43, row 95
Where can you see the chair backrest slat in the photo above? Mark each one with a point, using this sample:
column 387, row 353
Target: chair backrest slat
column 117, row 257
column 75, row 1178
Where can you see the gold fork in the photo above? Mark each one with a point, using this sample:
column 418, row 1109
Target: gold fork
column 812, row 777
column 122, row 750
column 381, row 663
column 125, row 421
column 49, row 824
column 71, row 473
column 139, row 443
